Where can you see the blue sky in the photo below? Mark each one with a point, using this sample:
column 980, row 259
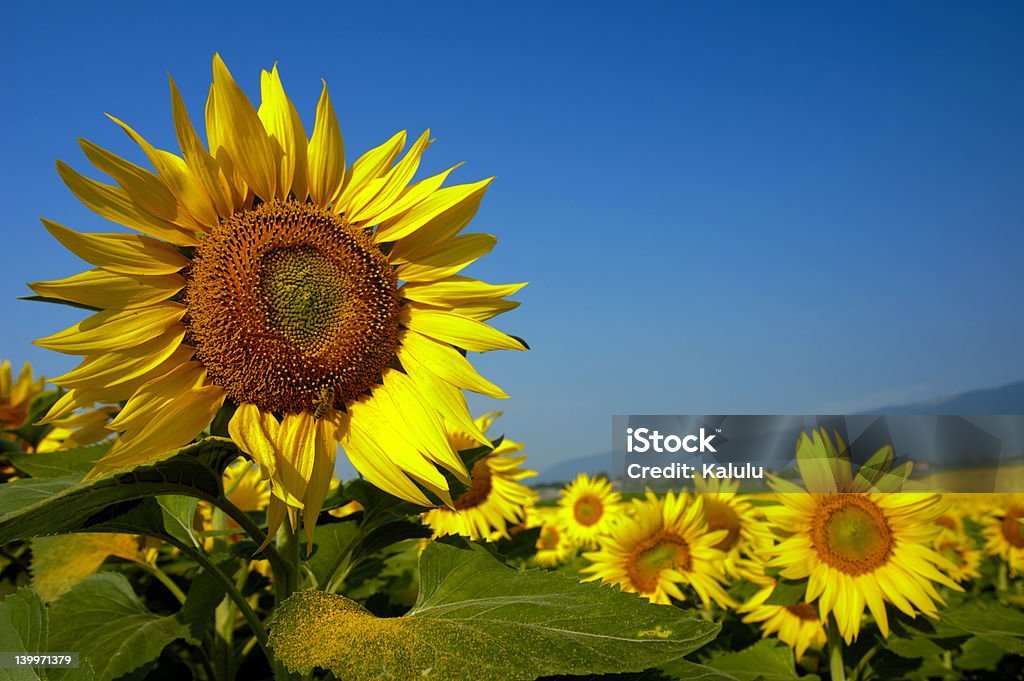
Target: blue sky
column 721, row 207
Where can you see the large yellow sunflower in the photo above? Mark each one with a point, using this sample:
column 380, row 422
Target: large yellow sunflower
column 664, row 545
column 857, row 548
column 495, row 498
column 589, row 508
column 322, row 300
column 1003, row 530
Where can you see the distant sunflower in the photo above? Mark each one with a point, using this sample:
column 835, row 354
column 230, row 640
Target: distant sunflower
column 857, row 548
column 1003, row 530
column 553, row 545
column 323, row 301
column 664, row 546
column 964, row 559
column 748, row 538
column 15, row 395
column 495, row 498
column 795, row 625
column 589, row 508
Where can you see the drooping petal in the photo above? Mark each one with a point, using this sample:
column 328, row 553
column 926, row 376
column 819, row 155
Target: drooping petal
column 250, row 430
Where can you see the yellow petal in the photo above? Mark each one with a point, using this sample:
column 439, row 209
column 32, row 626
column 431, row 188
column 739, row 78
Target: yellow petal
column 457, row 289
column 242, row 133
column 370, row 166
column 64, row 406
column 283, row 125
column 418, row 422
column 446, row 258
column 484, row 310
column 120, row 253
column 374, row 463
column 216, row 132
column 112, row 368
column 253, row 435
column 103, row 289
column 202, row 163
column 447, row 363
column 275, row 518
column 439, row 216
column 445, row 397
column 460, row 331
column 114, row 204
column 150, row 400
column 111, row 330
column 296, row 451
column 199, row 211
column 173, row 428
column 326, row 158
column 412, row 196
column 366, row 205
column 143, row 187
column 325, row 452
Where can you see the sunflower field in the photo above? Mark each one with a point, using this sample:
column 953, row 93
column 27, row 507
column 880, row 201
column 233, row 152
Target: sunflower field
column 169, row 507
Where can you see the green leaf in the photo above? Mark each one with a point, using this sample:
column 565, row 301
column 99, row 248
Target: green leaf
column 477, row 618
column 331, row 540
column 914, row 646
column 105, row 621
column 65, row 463
column 979, row 654
column 204, row 595
column 788, row 592
column 23, row 630
column 45, row 506
column 995, row 623
column 178, row 514
column 767, row 660
column 691, row 671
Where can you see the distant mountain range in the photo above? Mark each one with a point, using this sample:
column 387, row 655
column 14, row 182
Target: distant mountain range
column 1007, row 399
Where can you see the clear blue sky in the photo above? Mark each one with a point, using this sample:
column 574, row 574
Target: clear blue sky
column 722, row 207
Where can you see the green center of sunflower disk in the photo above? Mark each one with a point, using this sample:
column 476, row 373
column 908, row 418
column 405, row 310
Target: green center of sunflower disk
column 855, row 535
column 304, row 293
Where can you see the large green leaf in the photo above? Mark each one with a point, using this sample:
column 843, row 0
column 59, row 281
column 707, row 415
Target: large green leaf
column 995, row 623
column 477, row 618
column 105, row 621
column 68, row 463
column 60, row 505
column 766, row 660
column 23, row 630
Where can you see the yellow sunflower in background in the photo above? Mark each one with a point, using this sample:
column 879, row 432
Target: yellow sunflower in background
column 1003, row 530
column 964, row 559
column 495, row 498
column 795, row 625
column 589, row 508
column 15, row 395
column 857, row 548
column 748, row 539
column 664, row 545
column 322, row 299
column 553, row 545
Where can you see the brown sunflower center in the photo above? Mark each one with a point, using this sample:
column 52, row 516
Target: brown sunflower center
column 650, row 558
column 721, row 516
column 289, row 305
column 1011, row 526
column 548, row 539
column 804, row 611
column 479, row 486
column 587, row 510
column 851, row 533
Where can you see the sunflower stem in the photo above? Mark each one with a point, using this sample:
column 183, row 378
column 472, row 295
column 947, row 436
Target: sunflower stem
column 288, row 548
column 278, row 565
column 164, row 579
column 835, row 651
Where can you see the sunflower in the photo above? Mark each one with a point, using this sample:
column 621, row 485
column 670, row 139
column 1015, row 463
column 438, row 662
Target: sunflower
column 321, row 302
column 589, row 508
column 962, row 555
column 664, row 545
column 748, row 538
column 15, row 395
column 854, row 547
column 796, row 625
column 1003, row 530
column 553, row 545
column 494, row 500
